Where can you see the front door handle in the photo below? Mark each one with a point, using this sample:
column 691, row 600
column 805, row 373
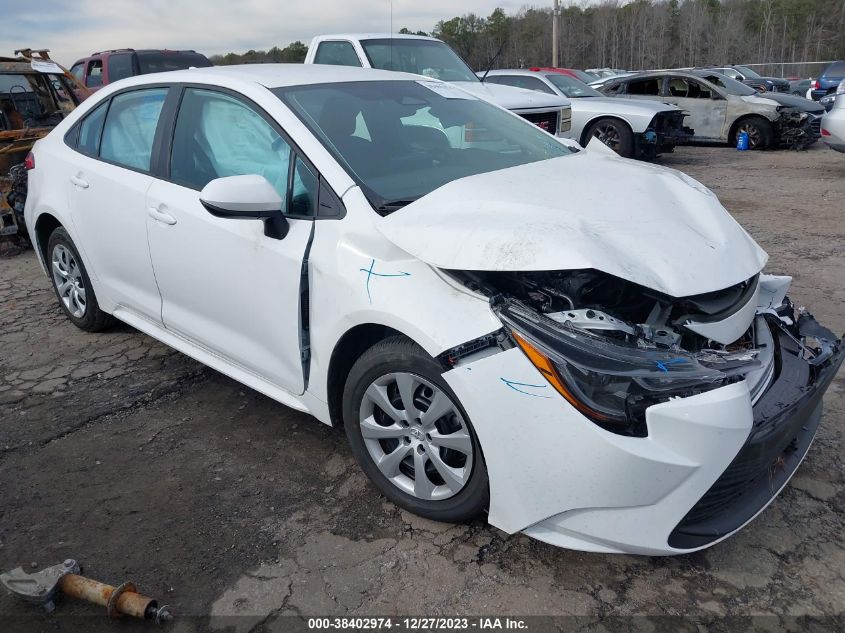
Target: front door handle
column 79, row 182
column 160, row 216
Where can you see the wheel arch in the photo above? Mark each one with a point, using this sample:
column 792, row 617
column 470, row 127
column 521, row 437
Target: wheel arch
column 598, row 117
column 739, row 120
column 348, row 349
column 44, row 227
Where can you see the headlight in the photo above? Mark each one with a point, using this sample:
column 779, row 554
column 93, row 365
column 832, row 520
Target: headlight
column 608, row 381
column 840, row 89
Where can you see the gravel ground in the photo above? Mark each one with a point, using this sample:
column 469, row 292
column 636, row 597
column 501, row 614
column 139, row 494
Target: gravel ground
column 146, row 466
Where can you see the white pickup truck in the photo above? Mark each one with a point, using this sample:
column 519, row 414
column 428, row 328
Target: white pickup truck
column 433, row 58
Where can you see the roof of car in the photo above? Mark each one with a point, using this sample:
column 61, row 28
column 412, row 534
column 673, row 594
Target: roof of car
column 375, row 36
column 273, row 75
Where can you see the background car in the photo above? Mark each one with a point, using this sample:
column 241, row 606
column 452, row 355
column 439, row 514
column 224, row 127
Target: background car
column 833, row 123
column 827, row 82
column 717, row 114
column 580, row 75
column 751, row 78
column 433, row 58
column 641, row 129
column 101, row 69
column 799, row 87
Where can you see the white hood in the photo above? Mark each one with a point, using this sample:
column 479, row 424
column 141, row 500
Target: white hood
column 653, row 226
column 513, row 98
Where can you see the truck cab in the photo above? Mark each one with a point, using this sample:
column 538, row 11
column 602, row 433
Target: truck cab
column 433, row 58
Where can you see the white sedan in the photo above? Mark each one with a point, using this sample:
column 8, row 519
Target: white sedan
column 633, row 129
column 494, row 329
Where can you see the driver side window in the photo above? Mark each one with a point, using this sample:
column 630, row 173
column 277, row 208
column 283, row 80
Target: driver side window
column 217, row 136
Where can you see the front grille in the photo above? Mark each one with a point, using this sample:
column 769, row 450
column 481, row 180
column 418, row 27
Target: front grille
column 816, row 125
column 547, row 121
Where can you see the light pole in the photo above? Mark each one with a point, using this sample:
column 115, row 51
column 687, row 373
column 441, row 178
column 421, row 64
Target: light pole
column 555, row 34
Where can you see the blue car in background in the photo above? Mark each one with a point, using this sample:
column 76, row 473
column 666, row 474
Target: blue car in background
column 827, row 82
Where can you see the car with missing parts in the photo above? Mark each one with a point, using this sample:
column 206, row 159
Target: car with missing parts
column 718, row 112
column 495, row 333
column 633, row 129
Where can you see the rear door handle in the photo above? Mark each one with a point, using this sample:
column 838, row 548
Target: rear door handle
column 160, row 216
column 79, row 182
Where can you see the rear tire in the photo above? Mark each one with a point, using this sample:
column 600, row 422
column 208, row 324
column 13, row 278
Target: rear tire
column 615, row 134
column 72, row 285
column 759, row 130
column 430, row 465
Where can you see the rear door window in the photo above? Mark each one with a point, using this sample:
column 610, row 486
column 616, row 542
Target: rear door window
column 91, row 130
column 644, row 87
column 130, row 127
column 120, row 66
column 337, row 54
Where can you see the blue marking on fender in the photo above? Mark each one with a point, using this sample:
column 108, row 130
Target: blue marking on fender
column 515, row 386
column 371, row 273
column 661, row 365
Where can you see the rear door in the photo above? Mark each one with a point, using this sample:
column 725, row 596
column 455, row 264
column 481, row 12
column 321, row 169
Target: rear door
column 107, row 187
column 225, row 285
column 707, row 108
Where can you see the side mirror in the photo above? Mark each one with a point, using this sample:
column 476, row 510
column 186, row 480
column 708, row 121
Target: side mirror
column 249, row 197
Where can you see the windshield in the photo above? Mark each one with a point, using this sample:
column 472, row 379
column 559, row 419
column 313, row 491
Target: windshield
column 431, row 58
column 730, row 85
column 749, row 74
column 403, row 139
column 571, row 87
column 157, row 62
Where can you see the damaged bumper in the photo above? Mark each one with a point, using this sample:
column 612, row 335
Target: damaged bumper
column 796, row 129
column 665, row 131
column 707, row 464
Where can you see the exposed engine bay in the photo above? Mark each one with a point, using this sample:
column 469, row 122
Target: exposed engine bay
column 615, row 347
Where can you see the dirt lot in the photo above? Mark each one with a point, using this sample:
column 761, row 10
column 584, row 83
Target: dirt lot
column 145, row 466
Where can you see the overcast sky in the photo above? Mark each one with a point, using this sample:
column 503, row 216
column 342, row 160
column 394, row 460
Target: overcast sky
column 76, row 28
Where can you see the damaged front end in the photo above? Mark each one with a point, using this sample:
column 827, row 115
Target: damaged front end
column 795, row 129
column 665, row 131
column 613, row 348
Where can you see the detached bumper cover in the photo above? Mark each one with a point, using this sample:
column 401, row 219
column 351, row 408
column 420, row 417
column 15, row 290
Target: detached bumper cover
column 785, row 422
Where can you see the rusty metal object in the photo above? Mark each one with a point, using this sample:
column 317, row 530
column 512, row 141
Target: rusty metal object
column 42, row 587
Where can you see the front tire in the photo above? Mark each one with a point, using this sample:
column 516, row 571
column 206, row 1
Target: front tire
column 613, row 133
column 72, row 285
column 410, row 435
column 759, row 130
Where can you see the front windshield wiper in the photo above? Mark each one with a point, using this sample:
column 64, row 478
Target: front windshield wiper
column 389, row 206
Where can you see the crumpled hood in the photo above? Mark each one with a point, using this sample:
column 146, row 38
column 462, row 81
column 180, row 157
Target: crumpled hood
column 513, row 98
column 793, row 101
column 650, row 225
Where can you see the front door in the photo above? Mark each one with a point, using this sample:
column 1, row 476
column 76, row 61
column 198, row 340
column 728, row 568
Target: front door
column 224, row 284
column 707, row 109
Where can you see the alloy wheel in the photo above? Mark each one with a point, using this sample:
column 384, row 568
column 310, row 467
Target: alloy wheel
column 609, row 134
column 754, row 134
column 416, row 436
column 67, row 276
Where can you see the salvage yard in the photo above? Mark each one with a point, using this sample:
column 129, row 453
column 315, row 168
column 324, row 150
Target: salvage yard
column 146, row 466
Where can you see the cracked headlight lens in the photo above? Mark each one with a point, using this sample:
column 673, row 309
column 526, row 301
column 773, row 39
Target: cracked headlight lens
column 611, row 382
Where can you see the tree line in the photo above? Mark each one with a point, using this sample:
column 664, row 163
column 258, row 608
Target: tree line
column 638, row 35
